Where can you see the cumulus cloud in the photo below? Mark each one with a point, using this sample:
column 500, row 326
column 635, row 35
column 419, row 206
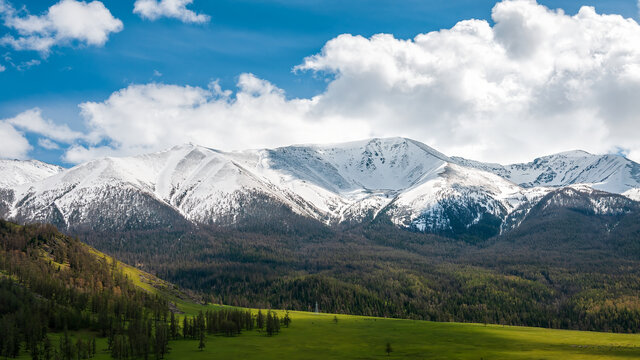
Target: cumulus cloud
column 65, row 22
column 177, row 9
column 33, row 122
column 150, row 117
column 2, row 68
column 13, row 144
column 538, row 81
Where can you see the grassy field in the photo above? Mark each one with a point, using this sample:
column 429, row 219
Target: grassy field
column 317, row 336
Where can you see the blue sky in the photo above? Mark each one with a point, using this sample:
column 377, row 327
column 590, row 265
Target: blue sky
column 265, row 38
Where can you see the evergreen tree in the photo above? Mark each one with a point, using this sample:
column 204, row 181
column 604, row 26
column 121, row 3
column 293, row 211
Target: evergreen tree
column 93, row 346
column 161, row 343
column 270, row 325
column 185, row 327
column 47, row 351
column 66, row 348
column 287, row 320
column 201, row 343
column 276, row 323
column 388, row 349
column 173, row 326
column 260, row 320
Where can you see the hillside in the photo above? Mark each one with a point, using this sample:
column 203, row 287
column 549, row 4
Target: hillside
column 51, row 283
column 93, row 293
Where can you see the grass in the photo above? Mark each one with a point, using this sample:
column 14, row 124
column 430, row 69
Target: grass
column 317, row 336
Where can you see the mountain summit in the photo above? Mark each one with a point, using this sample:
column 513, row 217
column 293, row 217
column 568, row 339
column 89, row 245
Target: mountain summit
column 411, row 184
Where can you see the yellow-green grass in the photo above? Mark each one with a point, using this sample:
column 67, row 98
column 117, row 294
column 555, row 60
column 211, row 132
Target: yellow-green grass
column 317, row 336
column 152, row 284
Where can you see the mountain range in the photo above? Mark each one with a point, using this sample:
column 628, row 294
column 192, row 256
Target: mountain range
column 396, row 179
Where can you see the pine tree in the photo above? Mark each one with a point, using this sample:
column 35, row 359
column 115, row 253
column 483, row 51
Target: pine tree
column 161, row 344
column 260, row 320
column 66, row 348
column 276, row 323
column 270, row 325
column 388, row 349
column 287, row 319
column 47, row 348
column 185, row 326
column 173, row 326
column 80, row 350
column 201, row 343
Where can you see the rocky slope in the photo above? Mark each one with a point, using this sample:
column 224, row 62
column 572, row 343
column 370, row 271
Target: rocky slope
column 412, row 184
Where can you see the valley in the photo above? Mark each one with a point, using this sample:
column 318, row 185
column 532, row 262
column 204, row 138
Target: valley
column 374, row 232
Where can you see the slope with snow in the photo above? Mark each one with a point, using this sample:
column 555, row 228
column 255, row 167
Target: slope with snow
column 186, row 182
column 412, row 184
column 610, row 173
column 14, row 173
column 18, row 172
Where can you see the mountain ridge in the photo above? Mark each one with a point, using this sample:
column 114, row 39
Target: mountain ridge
column 418, row 187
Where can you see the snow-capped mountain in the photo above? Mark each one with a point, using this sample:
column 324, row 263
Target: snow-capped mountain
column 412, row 184
column 17, row 172
column 610, row 173
column 14, row 173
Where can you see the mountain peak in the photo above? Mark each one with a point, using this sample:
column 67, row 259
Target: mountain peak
column 351, row 181
column 573, row 153
column 18, row 172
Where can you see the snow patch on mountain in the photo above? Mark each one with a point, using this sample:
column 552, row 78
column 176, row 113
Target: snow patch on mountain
column 610, row 173
column 18, row 172
column 412, row 184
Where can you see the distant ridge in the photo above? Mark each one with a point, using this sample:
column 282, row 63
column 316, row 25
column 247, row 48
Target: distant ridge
column 406, row 181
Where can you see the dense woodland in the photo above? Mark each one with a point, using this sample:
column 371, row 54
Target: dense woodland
column 51, row 283
column 558, row 270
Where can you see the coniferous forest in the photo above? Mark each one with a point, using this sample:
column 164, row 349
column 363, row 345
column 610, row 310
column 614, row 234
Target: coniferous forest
column 52, row 285
column 554, row 272
column 558, row 270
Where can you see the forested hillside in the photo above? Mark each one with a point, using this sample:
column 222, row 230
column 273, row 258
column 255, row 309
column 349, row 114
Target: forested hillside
column 559, row 271
column 57, row 295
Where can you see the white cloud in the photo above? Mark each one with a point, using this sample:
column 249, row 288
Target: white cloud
column 150, row 117
column 32, row 121
column 2, row 68
column 65, row 22
column 13, row 144
column 154, row 9
column 48, row 144
column 537, row 82
column 27, row 64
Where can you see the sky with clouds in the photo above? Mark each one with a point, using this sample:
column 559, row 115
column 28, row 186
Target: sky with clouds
column 494, row 81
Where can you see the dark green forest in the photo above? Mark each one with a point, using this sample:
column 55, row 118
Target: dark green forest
column 562, row 268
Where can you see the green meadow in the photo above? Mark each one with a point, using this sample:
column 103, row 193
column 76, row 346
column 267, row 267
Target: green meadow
column 318, row 336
